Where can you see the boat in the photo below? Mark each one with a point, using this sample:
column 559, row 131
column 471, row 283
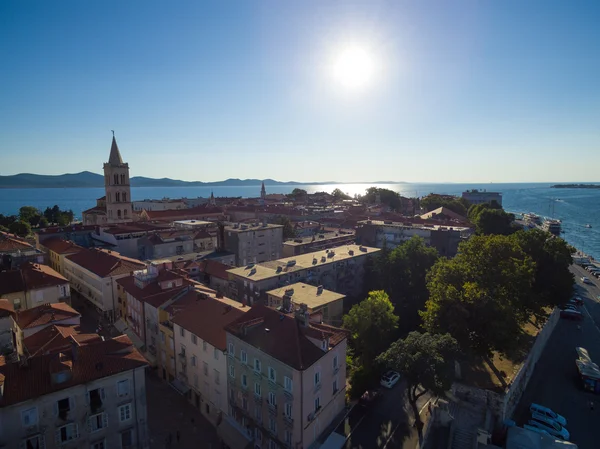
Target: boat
column 554, row 227
column 588, row 225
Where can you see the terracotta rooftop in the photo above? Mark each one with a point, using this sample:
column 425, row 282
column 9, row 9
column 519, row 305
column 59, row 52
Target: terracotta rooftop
column 70, row 228
column 214, row 268
column 181, row 214
column 126, row 228
column 56, row 338
column 6, row 308
column 45, row 314
column 10, row 243
column 105, row 263
column 24, row 381
column 37, row 275
column 283, row 337
column 206, row 316
column 61, row 246
column 98, row 209
column 152, row 293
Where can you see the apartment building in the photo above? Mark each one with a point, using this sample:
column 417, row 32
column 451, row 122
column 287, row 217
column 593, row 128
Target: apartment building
column 441, row 237
column 325, row 304
column 287, row 379
column 15, row 251
column 164, row 204
column 339, row 269
column 316, row 242
column 252, row 243
column 199, row 319
column 93, row 274
column 56, row 250
column 482, row 196
column 92, row 395
column 33, row 284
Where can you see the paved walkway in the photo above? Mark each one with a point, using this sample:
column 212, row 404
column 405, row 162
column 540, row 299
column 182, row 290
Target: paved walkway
column 169, row 412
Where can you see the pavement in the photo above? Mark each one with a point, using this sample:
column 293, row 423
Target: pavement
column 387, row 424
column 555, row 382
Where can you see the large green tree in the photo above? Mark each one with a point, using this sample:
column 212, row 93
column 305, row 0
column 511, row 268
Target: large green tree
column 426, row 361
column 455, row 204
column 490, row 218
column 29, row 214
column 20, row 228
column 288, row 227
column 388, row 197
column 481, row 296
column 339, row 195
column 372, row 325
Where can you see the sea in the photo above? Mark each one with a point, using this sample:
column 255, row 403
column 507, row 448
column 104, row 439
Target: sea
column 576, row 208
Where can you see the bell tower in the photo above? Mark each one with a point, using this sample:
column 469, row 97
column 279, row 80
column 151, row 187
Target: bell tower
column 116, row 185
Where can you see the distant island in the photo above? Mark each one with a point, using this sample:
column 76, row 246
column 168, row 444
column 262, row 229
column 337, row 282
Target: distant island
column 576, row 186
column 88, row 179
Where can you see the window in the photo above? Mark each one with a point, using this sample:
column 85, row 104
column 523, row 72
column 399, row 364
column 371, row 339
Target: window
column 232, row 371
column 125, row 412
column 257, row 391
column 194, row 339
column 324, row 345
column 288, row 409
column 317, row 403
column 257, row 434
column 95, row 398
column 116, row 177
column 162, row 337
column 63, row 407
column 29, row 417
column 97, row 422
column 125, row 199
column 257, row 366
column 272, row 425
column 99, row 444
column 182, row 351
column 272, row 444
column 217, row 377
column 66, row 433
column 118, row 213
column 196, row 380
column 231, row 351
column 123, row 388
column 317, row 377
column 36, row 442
column 204, row 346
column 287, row 384
column 117, row 197
column 245, row 403
column 272, row 375
column 244, row 356
column 288, row 437
column 272, row 399
column 244, row 381
column 335, row 362
column 335, row 387
column 193, row 360
column 205, row 369
column 216, row 354
column 182, row 331
column 127, row 439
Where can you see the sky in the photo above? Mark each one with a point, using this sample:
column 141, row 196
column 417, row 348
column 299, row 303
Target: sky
column 461, row 91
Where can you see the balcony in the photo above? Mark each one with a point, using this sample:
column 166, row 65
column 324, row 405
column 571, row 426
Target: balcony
column 272, row 409
column 258, row 399
column 288, row 394
column 288, row 420
column 336, row 369
column 182, row 355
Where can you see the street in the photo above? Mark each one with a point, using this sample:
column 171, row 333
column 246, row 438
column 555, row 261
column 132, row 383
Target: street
column 555, row 383
column 387, row 424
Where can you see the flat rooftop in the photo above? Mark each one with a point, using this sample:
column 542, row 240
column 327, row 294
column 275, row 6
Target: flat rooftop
column 194, row 222
column 267, row 270
column 320, row 237
column 248, row 227
column 396, row 224
column 307, row 294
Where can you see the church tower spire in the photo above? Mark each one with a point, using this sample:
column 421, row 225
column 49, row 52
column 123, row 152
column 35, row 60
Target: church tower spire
column 116, row 185
column 263, row 194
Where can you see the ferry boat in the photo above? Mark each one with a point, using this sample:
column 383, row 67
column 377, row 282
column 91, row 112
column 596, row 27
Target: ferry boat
column 554, row 227
column 532, row 218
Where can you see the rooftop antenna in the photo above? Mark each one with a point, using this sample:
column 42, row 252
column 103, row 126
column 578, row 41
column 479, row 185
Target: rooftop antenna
column 113, row 131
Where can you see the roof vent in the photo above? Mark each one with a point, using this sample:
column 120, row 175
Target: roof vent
column 291, row 263
column 314, row 260
column 253, row 271
column 323, row 258
column 351, row 252
column 289, row 291
column 278, row 270
column 319, row 289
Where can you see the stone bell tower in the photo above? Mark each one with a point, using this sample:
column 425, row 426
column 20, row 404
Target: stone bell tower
column 116, row 185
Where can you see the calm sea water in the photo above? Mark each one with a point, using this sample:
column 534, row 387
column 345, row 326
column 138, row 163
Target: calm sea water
column 575, row 207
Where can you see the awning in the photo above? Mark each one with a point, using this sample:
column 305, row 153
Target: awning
column 233, row 435
column 179, row 386
column 123, row 327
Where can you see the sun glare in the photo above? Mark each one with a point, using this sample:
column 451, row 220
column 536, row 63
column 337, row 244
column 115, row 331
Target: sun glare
column 353, row 67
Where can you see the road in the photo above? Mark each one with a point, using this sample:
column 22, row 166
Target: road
column 387, row 424
column 555, row 382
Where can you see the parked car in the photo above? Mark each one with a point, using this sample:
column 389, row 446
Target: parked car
column 548, row 413
column 577, row 300
column 552, row 427
column 585, row 280
column 571, row 314
column 370, row 397
column 389, row 379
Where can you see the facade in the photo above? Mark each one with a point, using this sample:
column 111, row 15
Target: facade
column 214, row 274
column 92, row 395
column 326, row 304
column 443, row 238
column 205, row 212
column 125, row 238
column 482, row 196
column 199, row 319
column 338, row 269
column 253, row 243
column 287, row 379
column 8, row 325
column 93, row 274
column 115, row 206
column 34, row 284
column 14, row 251
column 56, row 249
column 164, row 204
column 316, row 242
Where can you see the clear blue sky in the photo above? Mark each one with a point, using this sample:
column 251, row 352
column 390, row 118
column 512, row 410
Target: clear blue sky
column 461, row 91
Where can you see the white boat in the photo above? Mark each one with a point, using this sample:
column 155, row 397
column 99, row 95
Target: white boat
column 588, row 225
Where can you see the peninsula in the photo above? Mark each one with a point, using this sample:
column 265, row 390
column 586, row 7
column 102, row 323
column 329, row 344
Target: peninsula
column 576, row 186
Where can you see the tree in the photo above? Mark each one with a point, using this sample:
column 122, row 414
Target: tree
column 490, row 218
column 481, row 296
column 388, row 197
column 6, row 220
column 298, row 195
column 372, row 324
column 426, row 361
column 339, row 195
column 288, row 228
column 20, row 228
column 455, row 204
column 29, row 214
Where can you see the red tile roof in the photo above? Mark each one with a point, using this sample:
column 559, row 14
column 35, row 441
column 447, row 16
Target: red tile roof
column 61, row 246
column 205, row 316
column 182, row 214
column 56, row 338
column 6, row 308
column 40, row 276
column 45, row 314
column 283, row 337
column 91, row 362
column 10, row 243
column 95, row 209
column 152, row 293
column 214, row 268
column 126, row 228
column 104, row 263
column 70, row 228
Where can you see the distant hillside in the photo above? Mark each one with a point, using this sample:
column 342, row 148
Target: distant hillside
column 576, row 186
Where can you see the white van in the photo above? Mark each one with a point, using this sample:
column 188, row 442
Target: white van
column 547, row 413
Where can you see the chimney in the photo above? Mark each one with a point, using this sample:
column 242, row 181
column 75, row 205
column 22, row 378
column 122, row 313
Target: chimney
column 287, row 304
column 302, row 315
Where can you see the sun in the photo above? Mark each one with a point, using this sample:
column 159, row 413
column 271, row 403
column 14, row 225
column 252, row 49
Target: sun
column 353, row 68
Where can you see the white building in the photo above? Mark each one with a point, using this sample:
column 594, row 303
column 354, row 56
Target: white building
column 164, row 204
column 482, row 196
column 92, row 396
